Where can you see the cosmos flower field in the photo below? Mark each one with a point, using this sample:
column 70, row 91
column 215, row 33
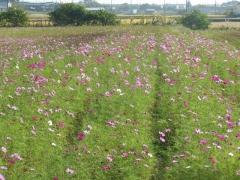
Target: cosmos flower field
column 138, row 102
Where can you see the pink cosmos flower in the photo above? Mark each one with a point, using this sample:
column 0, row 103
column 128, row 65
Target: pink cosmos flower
column 126, row 82
column 154, row 62
column 162, row 136
column 202, row 75
column 213, row 160
column 106, row 168
column 230, row 124
column 186, row 104
column 109, row 158
column 217, row 79
column 228, row 117
column 2, row 177
column 125, row 154
column 138, row 82
column 198, row 131
column 39, row 80
column 108, row 94
column 61, row 125
column 84, row 49
column 203, row 142
column 16, row 156
column 111, row 123
column 18, row 91
column 221, row 137
column 171, row 82
column 27, row 54
column 100, row 60
column 226, row 82
column 238, row 136
column 165, row 47
column 196, row 59
column 39, row 65
column 80, row 136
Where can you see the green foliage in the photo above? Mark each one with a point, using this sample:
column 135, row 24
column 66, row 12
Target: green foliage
column 105, row 18
column 3, row 21
column 77, row 15
column 195, row 20
column 13, row 17
column 68, row 14
column 129, row 146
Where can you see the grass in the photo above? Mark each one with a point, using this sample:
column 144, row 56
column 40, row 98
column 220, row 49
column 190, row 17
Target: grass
column 225, row 25
column 229, row 36
column 139, row 102
column 203, row 142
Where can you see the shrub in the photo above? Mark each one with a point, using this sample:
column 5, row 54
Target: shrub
column 92, row 18
column 73, row 14
column 68, row 14
column 195, row 20
column 13, row 17
column 105, row 18
column 3, row 21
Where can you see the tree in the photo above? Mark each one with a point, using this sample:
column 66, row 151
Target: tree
column 195, row 20
column 73, row 14
column 105, row 18
column 68, row 14
column 13, row 17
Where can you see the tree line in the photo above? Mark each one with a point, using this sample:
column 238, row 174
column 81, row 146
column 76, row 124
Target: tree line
column 64, row 14
column 77, row 15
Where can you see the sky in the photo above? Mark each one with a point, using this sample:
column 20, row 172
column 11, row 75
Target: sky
column 194, row 2
column 161, row 1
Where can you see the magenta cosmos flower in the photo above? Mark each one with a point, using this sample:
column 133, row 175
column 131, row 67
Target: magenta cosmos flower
column 80, row 136
column 2, row 177
column 39, row 65
column 203, row 141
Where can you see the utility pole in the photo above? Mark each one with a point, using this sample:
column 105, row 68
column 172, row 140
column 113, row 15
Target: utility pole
column 186, row 6
column 164, row 11
column 215, row 8
column 131, row 9
column 111, row 6
column 164, row 8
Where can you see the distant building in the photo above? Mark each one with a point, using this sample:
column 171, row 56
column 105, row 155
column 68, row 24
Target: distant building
column 88, row 1
column 230, row 4
column 180, row 6
column 95, row 8
column 134, row 11
column 39, row 7
column 175, row 6
column 233, row 6
column 236, row 9
column 150, row 11
column 4, row 5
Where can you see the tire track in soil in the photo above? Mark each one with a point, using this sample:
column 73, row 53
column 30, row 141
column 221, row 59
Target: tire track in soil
column 161, row 120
